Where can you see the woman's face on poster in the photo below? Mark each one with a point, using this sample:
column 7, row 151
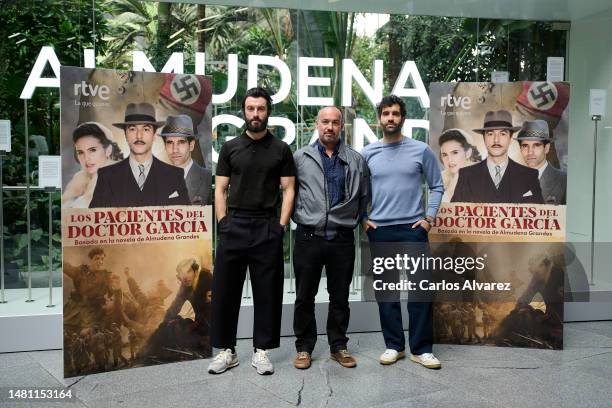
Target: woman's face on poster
column 454, row 156
column 91, row 154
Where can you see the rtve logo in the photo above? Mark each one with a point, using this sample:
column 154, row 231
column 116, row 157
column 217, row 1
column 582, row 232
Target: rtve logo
column 86, row 89
column 449, row 100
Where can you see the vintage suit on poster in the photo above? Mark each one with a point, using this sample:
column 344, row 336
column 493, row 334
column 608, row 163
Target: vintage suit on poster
column 553, row 183
column 116, row 186
column 520, row 185
column 198, row 182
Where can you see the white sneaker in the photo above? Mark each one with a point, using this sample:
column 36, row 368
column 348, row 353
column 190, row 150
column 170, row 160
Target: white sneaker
column 262, row 363
column 426, row 360
column 223, row 361
column 391, row 356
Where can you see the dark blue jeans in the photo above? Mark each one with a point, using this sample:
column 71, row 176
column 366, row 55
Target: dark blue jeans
column 420, row 325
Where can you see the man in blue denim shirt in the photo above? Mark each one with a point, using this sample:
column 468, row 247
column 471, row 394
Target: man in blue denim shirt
column 398, row 166
column 333, row 169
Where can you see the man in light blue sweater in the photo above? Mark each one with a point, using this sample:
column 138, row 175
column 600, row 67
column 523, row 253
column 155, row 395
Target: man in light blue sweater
column 398, row 167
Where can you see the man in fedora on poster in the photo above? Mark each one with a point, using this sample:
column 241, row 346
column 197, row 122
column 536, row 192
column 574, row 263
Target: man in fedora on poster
column 140, row 180
column 535, row 143
column 179, row 141
column 498, row 179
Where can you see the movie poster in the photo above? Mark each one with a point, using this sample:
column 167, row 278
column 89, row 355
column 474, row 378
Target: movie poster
column 503, row 151
column 136, row 218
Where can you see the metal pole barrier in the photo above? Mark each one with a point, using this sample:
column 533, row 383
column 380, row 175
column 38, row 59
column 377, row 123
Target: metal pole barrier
column 291, row 284
column 358, row 258
column 596, row 119
column 248, row 289
column 50, row 191
column 353, row 281
column 2, row 298
column 27, row 171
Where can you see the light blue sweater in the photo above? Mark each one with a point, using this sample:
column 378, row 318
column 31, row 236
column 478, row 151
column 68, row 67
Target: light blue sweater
column 398, row 171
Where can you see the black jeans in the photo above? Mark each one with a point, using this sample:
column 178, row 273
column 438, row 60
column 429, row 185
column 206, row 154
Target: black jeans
column 256, row 242
column 311, row 253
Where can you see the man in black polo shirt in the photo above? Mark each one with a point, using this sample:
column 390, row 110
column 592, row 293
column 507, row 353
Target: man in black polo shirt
column 249, row 171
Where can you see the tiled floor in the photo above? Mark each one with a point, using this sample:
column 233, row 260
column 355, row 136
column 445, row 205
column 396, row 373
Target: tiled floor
column 472, row 376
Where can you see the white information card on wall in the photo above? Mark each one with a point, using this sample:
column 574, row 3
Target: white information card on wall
column 5, row 135
column 49, row 171
column 499, row 77
column 597, row 102
column 555, row 69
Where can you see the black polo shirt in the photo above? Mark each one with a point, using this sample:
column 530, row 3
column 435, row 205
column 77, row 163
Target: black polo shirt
column 255, row 168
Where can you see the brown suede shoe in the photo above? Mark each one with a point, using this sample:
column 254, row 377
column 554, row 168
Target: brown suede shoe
column 344, row 358
column 302, row 360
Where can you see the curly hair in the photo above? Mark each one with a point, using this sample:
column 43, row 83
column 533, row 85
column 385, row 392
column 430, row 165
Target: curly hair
column 391, row 100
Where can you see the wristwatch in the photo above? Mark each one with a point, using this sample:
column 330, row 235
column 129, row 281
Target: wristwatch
column 429, row 220
column 285, row 227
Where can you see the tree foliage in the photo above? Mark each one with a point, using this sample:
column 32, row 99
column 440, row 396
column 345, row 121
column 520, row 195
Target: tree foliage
column 69, row 27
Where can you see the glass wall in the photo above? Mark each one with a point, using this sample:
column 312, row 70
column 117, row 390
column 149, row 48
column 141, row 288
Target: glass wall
column 443, row 49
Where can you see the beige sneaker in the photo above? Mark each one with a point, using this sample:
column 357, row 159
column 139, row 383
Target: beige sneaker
column 426, row 360
column 391, row 356
column 223, row 361
column 262, row 362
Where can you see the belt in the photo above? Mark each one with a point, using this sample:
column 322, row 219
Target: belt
column 313, row 230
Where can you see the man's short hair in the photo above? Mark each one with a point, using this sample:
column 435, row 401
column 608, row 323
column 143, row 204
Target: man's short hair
column 95, row 251
column 258, row 92
column 391, row 100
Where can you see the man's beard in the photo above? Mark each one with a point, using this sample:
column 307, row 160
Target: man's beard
column 393, row 131
column 263, row 124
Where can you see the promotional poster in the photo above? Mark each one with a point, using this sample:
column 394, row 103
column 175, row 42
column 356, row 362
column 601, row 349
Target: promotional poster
column 503, row 151
column 136, row 218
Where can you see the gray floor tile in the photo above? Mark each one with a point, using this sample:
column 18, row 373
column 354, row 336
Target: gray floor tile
column 122, row 382
column 556, row 357
column 507, row 387
column 577, row 336
column 8, row 360
column 572, row 386
column 602, row 328
column 472, row 376
column 328, row 384
column 226, row 392
column 53, row 362
column 45, row 404
column 28, row 375
column 451, row 397
column 601, row 359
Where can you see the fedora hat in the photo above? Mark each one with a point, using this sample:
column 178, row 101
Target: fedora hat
column 534, row 130
column 139, row 114
column 501, row 119
column 179, row 125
